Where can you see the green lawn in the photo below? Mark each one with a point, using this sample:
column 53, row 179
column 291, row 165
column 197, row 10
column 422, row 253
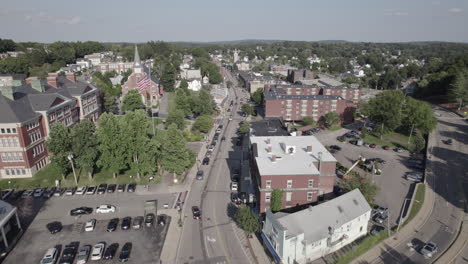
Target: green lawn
column 171, row 100
column 391, row 139
column 363, row 246
column 334, row 128
column 47, row 176
column 417, row 203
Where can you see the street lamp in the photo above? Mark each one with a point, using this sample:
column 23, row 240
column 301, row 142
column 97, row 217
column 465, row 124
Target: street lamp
column 70, row 158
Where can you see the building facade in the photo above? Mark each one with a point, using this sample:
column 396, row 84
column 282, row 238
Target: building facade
column 317, row 231
column 29, row 108
column 294, row 102
column 300, row 166
column 119, row 67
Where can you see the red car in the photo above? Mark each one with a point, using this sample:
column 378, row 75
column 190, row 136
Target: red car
column 372, row 146
column 386, row 147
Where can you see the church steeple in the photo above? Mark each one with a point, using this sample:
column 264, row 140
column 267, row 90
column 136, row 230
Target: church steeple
column 136, row 61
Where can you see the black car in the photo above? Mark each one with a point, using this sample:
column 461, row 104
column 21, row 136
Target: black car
column 149, row 219
column 199, row 175
column 376, row 229
column 235, row 198
column 121, row 188
column 125, row 253
column 69, row 253
column 54, row 227
column 380, row 218
column 59, row 192
column 126, row 222
column 216, row 136
column 161, row 220
column 335, row 147
column 102, row 188
column 110, row 251
column 112, row 226
column 49, row 192
column 111, row 188
column 449, row 141
column 206, row 161
column 131, row 187
column 196, row 212
column 81, row 211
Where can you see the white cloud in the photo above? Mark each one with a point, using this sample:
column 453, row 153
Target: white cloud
column 455, row 10
column 397, row 13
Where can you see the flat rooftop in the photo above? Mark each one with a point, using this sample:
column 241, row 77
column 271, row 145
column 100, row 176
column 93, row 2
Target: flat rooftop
column 269, row 127
column 291, row 155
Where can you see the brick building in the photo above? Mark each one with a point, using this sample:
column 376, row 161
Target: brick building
column 300, row 166
column 299, row 75
column 294, row 102
column 253, row 81
column 28, row 110
column 119, row 67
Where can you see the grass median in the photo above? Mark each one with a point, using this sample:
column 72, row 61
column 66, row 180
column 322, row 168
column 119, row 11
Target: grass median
column 417, row 203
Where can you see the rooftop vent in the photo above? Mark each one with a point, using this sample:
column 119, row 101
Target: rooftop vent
column 340, row 209
column 355, row 202
column 273, row 158
column 269, row 148
column 309, row 149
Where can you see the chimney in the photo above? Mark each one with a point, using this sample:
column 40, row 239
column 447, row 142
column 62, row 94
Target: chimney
column 309, row 149
column 37, row 85
column 52, row 80
column 28, row 80
column 71, row 76
column 273, row 158
column 269, row 148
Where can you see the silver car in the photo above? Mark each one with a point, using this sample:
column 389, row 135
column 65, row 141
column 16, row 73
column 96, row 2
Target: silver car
column 83, row 254
column 429, row 249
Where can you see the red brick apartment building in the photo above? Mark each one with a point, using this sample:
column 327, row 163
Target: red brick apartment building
column 28, row 110
column 293, row 102
column 300, row 166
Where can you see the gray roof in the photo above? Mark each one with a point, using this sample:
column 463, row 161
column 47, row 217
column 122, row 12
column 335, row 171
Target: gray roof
column 298, row 163
column 268, row 127
column 315, row 221
column 17, row 111
column 277, row 94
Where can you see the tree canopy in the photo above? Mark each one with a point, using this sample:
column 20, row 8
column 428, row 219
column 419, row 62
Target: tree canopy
column 203, row 124
column 276, row 200
column 132, row 101
column 247, row 220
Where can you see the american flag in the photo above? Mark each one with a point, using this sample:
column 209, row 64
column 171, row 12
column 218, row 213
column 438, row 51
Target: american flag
column 143, row 83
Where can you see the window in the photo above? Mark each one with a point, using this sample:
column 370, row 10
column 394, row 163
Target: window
column 288, row 196
column 23, row 171
column 289, row 184
column 267, row 197
column 3, row 131
column 310, row 184
column 360, row 229
column 310, row 196
column 268, row 184
column 8, row 130
column 14, row 130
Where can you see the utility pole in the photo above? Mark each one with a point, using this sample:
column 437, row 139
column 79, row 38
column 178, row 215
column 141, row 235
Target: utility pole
column 381, row 133
column 411, row 133
column 70, row 158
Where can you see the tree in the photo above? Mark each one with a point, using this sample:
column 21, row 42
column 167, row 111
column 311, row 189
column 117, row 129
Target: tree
column 175, row 156
column 257, row 96
column 419, row 114
column 276, row 200
column 183, row 84
column 247, row 220
column 308, row 120
column 419, row 143
column 459, row 89
column 247, row 109
column 203, row 124
column 331, row 119
column 176, row 116
column 112, row 144
column 60, row 144
column 354, row 180
column 84, row 146
column 245, row 127
column 132, row 101
column 385, row 109
column 203, row 104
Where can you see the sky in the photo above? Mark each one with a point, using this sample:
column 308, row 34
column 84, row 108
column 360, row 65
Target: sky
column 224, row 20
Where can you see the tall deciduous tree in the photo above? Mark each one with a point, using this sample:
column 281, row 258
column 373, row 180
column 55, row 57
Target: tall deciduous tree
column 331, row 119
column 111, row 144
column 247, row 220
column 459, row 89
column 419, row 114
column 203, row 124
column 135, row 126
column 60, row 144
column 276, row 200
column 247, row 109
column 385, row 109
column 176, row 116
column 132, row 101
column 354, row 180
column 84, row 145
column 257, row 96
column 175, row 156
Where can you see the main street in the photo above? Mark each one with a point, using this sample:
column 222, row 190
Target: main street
column 213, row 239
column 447, row 177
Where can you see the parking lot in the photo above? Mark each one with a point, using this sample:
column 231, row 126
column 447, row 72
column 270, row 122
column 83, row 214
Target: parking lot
column 147, row 242
column 394, row 188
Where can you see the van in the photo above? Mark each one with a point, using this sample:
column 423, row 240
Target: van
column 50, row 256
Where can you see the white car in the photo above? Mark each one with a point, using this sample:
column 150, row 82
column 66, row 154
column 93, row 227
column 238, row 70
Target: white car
column 50, row 256
column 105, row 208
column 81, row 190
column 89, row 226
column 97, row 251
column 234, row 186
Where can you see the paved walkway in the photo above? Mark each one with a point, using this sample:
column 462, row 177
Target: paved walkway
column 169, row 251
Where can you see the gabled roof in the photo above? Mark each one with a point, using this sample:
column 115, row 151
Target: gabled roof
column 17, row 111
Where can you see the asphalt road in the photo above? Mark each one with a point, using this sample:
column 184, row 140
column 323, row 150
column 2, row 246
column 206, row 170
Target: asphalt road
column 449, row 182
column 212, row 239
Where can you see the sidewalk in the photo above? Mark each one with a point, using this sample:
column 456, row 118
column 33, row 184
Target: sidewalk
column 169, row 251
column 259, row 251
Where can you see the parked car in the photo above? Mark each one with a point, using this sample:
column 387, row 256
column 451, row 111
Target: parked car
column 91, row 190
column 111, row 188
column 215, row 137
column 335, row 147
column 90, row 224
column 97, row 251
column 38, row 192
column 414, row 176
column 125, row 253
column 399, row 150
column 131, row 187
column 199, row 175
column 161, row 220
column 83, row 254
column 137, row 222
column 211, row 148
column 235, row 198
column 112, row 225
column 234, row 186
column 206, row 161
column 81, row 211
column 6, row 193
column 386, row 147
column 449, row 141
column 102, row 188
column 376, row 229
column 69, row 253
column 149, row 220
column 59, row 192
column 380, row 218
column 50, row 256
column 196, row 212
column 105, row 208
column 81, row 190
column 27, row 193
column 379, row 210
column 416, row 166
column 110, row 251
column 429, row 249
column 54, row 227
column 70, row 191
column 126, row 221
column 372, row 145
column 49, row 192
column 121, row 188
column 341, row 139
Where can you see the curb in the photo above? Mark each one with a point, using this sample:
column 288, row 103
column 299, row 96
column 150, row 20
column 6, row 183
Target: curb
column 462, row 232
